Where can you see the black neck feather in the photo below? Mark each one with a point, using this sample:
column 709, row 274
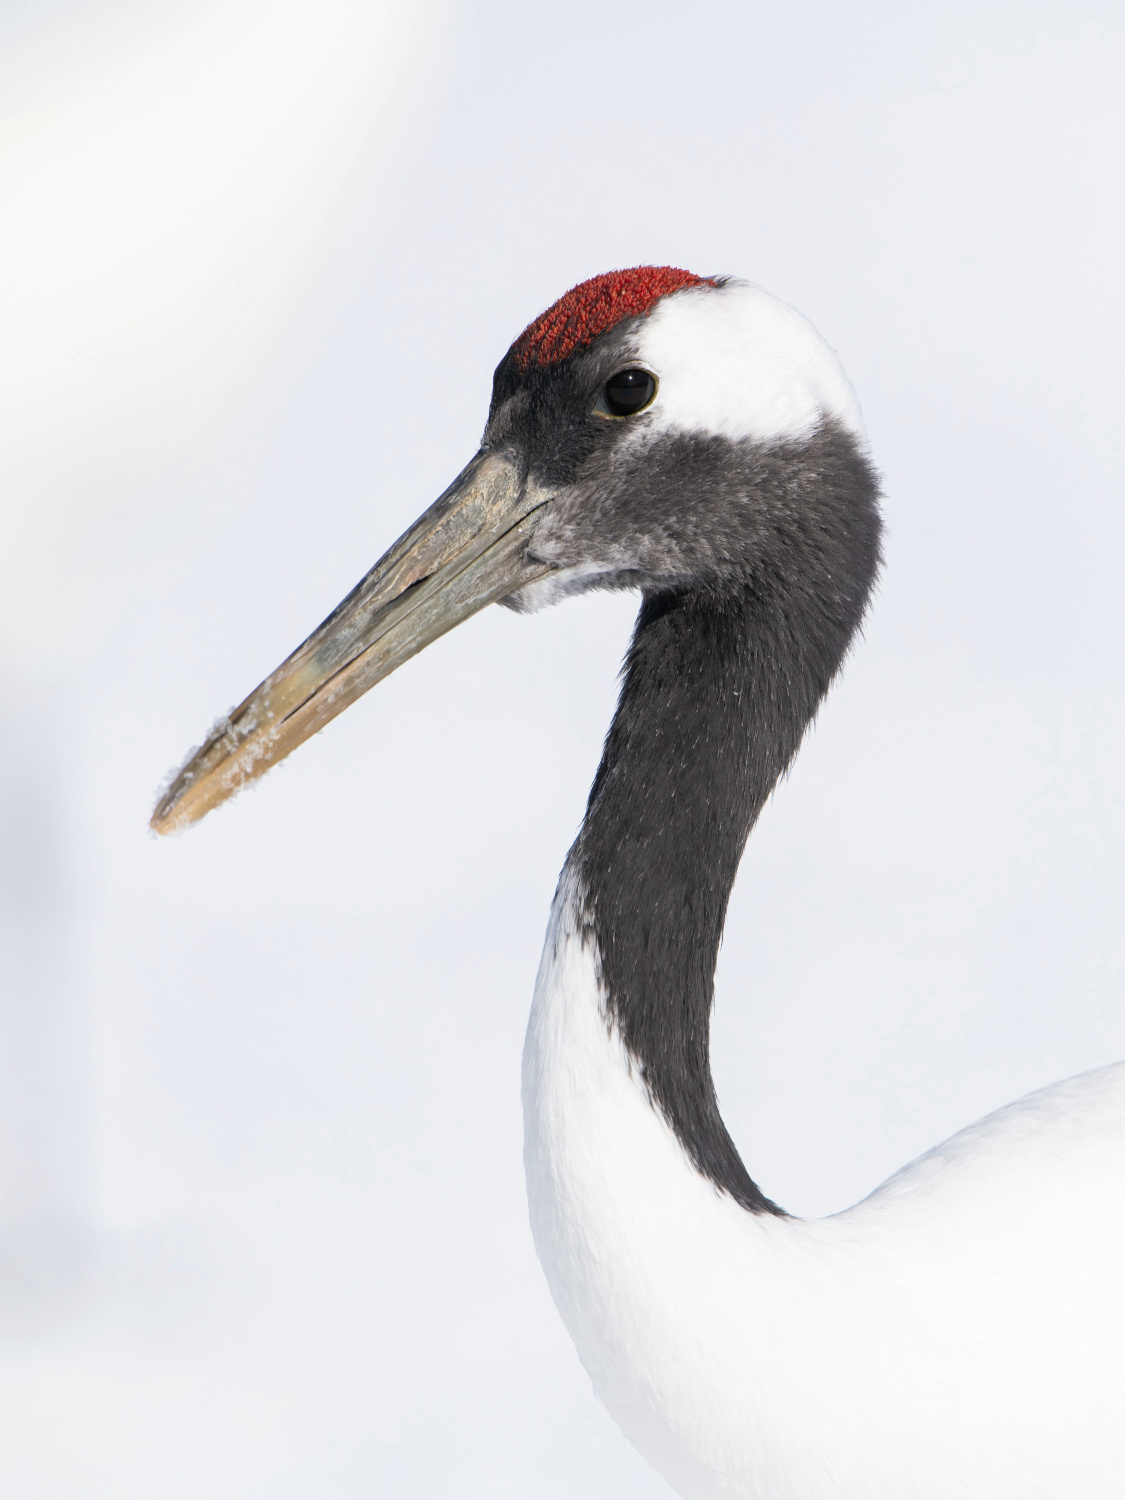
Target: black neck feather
column 719, row 686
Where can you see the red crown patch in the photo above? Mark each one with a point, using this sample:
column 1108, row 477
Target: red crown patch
column 592, row 307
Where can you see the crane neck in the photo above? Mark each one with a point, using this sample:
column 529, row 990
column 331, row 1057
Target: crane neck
column 719, row 688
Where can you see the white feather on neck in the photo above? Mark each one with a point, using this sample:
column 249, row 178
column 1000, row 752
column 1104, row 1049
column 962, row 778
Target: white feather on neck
column 904, row 1348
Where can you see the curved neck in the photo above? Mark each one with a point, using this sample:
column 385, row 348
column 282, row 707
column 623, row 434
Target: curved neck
column 719, row 688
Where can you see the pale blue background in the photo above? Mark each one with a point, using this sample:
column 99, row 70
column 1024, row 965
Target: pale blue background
column 262, row 1222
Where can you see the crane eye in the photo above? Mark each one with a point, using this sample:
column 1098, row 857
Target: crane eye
column 629, row 391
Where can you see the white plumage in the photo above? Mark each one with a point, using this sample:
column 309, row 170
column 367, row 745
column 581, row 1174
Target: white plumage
column 959, row 1333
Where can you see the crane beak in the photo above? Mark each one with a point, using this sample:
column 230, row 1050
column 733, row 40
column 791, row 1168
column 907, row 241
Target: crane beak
column 468, row 550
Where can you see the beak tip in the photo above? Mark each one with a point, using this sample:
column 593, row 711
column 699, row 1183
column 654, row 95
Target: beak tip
column 163, row 820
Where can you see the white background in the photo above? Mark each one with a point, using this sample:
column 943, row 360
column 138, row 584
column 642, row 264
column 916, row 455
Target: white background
column 262, row 1225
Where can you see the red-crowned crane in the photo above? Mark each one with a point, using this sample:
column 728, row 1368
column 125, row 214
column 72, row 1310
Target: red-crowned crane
column 958, row 1335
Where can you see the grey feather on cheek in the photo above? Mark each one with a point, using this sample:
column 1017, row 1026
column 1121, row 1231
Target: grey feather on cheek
column 687, row 510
